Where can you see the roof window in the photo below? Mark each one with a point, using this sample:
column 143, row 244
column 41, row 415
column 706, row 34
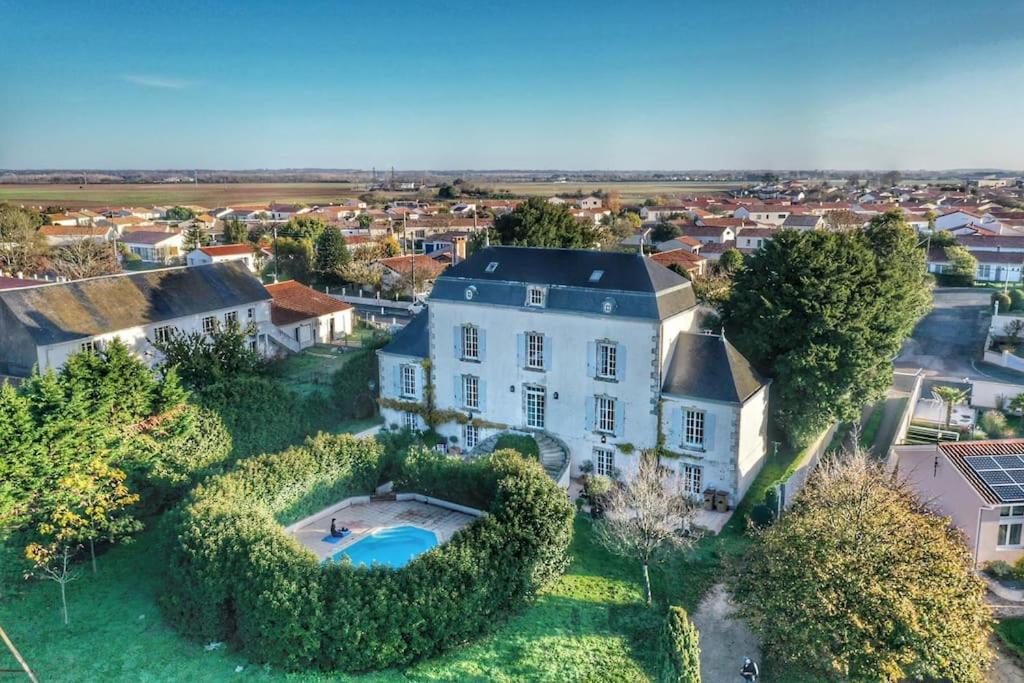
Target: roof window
column 491, row 267
column 596, row 275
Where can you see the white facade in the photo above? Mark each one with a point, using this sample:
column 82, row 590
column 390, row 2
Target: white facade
column 320, row 330
column 197, row 257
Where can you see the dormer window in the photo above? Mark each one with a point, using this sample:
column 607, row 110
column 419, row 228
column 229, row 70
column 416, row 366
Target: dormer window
column 535, row 296
column 491, row 267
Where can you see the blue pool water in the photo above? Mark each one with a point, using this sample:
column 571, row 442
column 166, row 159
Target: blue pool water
column 394, row 547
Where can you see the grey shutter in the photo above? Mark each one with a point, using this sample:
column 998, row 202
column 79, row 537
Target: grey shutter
column 589, row 412
column 521, row 350
column 458, row 391
column 620, row 362
column 420, row 381
column 591, row 359
column 396, row 380
column 674, row 431
column 457, row 337
column 547, row 352
column 481, row 337
column 709, row 432
column 481, row 392
column 620, row 417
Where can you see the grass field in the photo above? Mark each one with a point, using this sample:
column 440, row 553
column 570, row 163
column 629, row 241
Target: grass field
column 226, row 194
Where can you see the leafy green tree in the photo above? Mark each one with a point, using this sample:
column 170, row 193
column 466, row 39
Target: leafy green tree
column 18, row 466
column 180, row 213
column 900, row 275
column 942, row 239
column 949, row 397
column 963, row 265
column 195, row 236
column 861, row 582
column 235, row 232
column 202, row 359
column 448, row 191
column 364, row 220
column 819, row 312
column 303, row 227
column 1017, row 403
column 331, row 254
column 730, row 261
column 538, row 223
column 682, row 648
column 293, row 259
column 53, row 559
column 91, row 505
column 664, row 231
column 389, row 247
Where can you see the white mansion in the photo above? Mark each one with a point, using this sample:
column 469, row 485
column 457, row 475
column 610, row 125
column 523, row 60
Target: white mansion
column 596, row 350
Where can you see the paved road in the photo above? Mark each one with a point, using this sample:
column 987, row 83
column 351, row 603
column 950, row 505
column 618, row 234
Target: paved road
column 947, row 340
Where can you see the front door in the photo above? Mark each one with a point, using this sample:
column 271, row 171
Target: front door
column 536, row 407
column 332, row 329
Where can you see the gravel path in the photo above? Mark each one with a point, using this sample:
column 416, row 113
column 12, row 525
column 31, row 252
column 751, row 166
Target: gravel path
column 724, row 640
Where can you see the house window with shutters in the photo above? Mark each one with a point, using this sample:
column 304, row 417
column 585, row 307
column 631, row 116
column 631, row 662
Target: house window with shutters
column 409, row 381
column 209, row 324
column 607, row 360
column 534, row 351
column 470, row 436
column 230, row 317
column 604, row 461
column 693, row 428
column 470, row 343
column 605, row 413
column 471, row 392
column 163, row 334
column 693, row 476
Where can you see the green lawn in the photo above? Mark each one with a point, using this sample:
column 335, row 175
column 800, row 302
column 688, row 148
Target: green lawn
column 1011, row 631
column 870, row 430
column 310, row 370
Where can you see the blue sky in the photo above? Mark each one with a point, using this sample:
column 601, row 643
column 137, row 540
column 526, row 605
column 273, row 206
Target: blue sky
column 570, row 85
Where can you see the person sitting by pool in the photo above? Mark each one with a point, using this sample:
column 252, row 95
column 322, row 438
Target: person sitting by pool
column 335, row 531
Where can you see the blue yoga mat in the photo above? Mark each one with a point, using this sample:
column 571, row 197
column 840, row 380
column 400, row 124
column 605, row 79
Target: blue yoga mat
column 335, row 539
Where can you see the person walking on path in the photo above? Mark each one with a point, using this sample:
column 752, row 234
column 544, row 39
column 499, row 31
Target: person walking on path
column 749, row 671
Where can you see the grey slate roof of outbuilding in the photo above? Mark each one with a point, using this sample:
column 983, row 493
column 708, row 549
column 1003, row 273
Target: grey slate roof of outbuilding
column 801, row 220
column 707, row 366
column 66, row 311
column 411, row 340
column 638, row 286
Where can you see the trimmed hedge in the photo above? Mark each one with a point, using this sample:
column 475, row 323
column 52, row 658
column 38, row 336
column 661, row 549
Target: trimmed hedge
column 235, row 575
column 523, row 443
column 682, row 648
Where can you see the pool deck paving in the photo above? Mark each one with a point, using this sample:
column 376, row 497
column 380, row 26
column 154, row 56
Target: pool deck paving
column 365, row 519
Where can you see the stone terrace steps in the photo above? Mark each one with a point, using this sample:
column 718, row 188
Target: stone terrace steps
column 552, row 454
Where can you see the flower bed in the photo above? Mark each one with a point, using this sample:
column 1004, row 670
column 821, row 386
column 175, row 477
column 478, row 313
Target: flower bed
column 235, row 575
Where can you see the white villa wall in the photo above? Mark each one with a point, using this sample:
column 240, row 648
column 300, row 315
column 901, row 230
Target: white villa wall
column 753, row 439
column 136, row 338
column 986, row 393
column 567, row 376
column 318, row 330
column 670, row 329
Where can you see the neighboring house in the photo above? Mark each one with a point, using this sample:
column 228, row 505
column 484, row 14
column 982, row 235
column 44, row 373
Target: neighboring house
column 589, row 203
column 308, row 316
column 803, row 222
column 692, row 263
column 463, row 209
column 714, row 251
column 754, row 238
column 691, row 244
column 220, row 253
column 41, row 326
column 454, row 242
column 655, row 214
column 153, row 246
column 993, row 266
column 60, row 234
column 282, row 212
column 772, row 215
column 709, row 234
column 977, row 485
column 68, row 218
column 594, row 349
column 398, row 267
column 956, row 219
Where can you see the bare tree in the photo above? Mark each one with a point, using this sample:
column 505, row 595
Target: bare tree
column 85, row 258
column 648, row 518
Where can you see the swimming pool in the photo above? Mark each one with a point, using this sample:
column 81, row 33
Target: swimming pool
column 393, row 547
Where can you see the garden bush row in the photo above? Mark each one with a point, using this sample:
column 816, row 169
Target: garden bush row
column 235, row 575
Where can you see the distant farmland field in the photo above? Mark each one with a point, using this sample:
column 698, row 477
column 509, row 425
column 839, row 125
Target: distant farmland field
column 226, row 194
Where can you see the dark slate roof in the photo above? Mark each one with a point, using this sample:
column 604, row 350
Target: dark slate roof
column 638, row 286
column 801, row 220
column 411, row 340
column 84, row 308
column 709, row 367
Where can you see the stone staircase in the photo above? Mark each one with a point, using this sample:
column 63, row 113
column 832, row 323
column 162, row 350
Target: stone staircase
column 554, row 456
column 275, row 335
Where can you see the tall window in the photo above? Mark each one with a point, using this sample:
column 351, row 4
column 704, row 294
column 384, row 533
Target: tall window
column 605, row 414
column 93, row 345
column 692, row 478
column 607, row 360
column 410, row 421
column 604, row 461
column 209, row 324
column 408, row 380
column 470, row 436
column 230, row 317
column 1011, row 522
column 163, row 334
column 985, row 271
column 535, row 350
column 536, row 405
column 693, row 428
column 250, row 313
column 470, row 342
column 535, row 296
column 471, row 391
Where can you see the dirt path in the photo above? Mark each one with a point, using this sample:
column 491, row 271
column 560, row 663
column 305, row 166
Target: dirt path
column 724, row 641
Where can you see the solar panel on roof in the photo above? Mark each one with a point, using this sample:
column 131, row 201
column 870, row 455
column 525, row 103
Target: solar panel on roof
column 995, row 477
column 1017, row 476
column 1008, row 462
column 981, row 462
column 1009, row 494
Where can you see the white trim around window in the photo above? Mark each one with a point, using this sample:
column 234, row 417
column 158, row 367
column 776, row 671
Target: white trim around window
column 607, row 360
column 693, row 428
column 534, row 351
column 1011, row 527
column 604, row 413
column 409, row 381
column 604, row 461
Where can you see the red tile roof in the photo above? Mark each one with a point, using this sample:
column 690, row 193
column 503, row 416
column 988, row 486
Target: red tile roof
column 227, row 250
column 403, row 264
column 294, row 301
column 686, row 259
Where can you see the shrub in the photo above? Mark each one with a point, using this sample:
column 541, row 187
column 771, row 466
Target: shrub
column 994, row 424
column 233, row 574
column 999, row 569
column 682, row 648
column 1018, row 569
column 523, row 443
column 1016, row 300
column 1003, row 299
